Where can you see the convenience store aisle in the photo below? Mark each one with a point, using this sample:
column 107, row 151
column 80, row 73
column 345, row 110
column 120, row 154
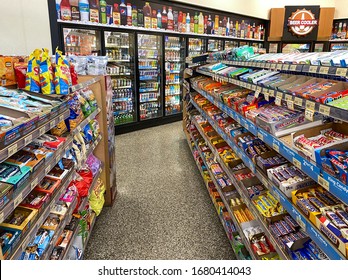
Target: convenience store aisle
column 163, row 210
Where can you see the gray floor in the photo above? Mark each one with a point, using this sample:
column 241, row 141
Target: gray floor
column 162, row 210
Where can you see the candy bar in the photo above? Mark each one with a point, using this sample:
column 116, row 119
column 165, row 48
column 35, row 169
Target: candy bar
column 342, row 214
column 291, row 222
column 334, row 135
column 281, row 228
column 324, row 198
column 335, row 219
column 305, row 205
column 287, row 227
column 316, row 202
column 275, row 230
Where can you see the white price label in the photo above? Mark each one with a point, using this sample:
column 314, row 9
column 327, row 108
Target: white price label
column 253, row 87
column 341, row 72
column 325, row 184
column 42, row 130
column 34, row 183
column 18, row 199
column 266, row 95
column 310, row 105
column 28, row 139
column 257, row 93
column 290, row 104
column 40, row 221
column 1, row 217
column 325, row 110
column 293, row 67
column 58, row 158
column 279, row 66
column 260, row 136
column 275, row 147
column 313, row 69
column 25, row 244
column 246, row 125
column 61, row 118
column 309, row 114
column 301, row 223
column 274, row 66
column 288, row 97
column 297, row 163
column 286, row 67
column 48, row 169
column 279, row 94
column 271, row 92
column 276, row 195
column 298, row 101
column 324, row 70
column 278, row 101
column 12, row 149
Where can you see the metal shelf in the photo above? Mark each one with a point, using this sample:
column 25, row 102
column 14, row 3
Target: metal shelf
column 119, row 60
column 116, row 47
column 84, row 84
column 85, row 122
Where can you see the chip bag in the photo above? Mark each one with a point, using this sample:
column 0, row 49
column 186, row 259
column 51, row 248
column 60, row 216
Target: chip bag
column 62, row 78
column 32, row 81
column 46, row 74
column 88, row 94
column 96, row 199
column 20, row 72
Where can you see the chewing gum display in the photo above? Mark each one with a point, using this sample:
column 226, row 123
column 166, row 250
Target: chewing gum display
column 32, row 82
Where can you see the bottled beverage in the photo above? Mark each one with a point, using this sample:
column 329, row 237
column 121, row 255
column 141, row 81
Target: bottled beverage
column 200, row 23
column 183, row 26
column 209, row 25
column 195, row 22
column 192, row 24
column 102, row 4
column 75, row 12
column 188, row 23
column 205, row 24
column 93, row 11
column 242, row 29
column 224, row 23
column 170, row 25
column 159, row 19
column 220, row 28
column 233, row 29
column 228, row 27
column 147, row 15
column 129, row 14
column 134, row 16
column 123, row 13
column 180, row 16
column 58, row 9
column 84, row 10
column 237, row 29
column 164, row 18
column 65, row 10
column 216, row 24
column 154, row 23
column 140, row 18
column 253, row 31
column 176, row 20
column 345, row 27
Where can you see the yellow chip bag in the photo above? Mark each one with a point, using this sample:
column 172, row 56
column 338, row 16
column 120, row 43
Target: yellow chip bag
column 62, row 78
column 46, row 73
column 32, row 81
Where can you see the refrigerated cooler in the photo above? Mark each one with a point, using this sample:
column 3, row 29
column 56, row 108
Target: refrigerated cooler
column 149, row 73
column 196, row 46
column 81, row 41
column 175, row 55
column 119, row 48
column 215, row 45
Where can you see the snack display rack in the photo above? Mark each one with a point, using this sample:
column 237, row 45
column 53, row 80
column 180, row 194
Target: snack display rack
column 327, row 181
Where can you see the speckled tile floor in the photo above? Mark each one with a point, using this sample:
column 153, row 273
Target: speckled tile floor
column 162, row 210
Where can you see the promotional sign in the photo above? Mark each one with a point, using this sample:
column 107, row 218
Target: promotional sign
column 301, row 23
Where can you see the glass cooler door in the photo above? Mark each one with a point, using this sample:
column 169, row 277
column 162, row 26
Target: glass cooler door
column 81, row 42
column 120, row 52
column 149, row 67
column 174, row 67
column 196, row 46
column 214, row 45
column 229, row 45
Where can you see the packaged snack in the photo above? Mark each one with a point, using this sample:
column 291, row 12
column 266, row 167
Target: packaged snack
column 32, row 82
column 62, row 78
column 74, row 77
column 52, row 222
column 60, row 129
column 36, row 200
column 46, row 73
column 49, row 141
column 90, row 97
column 94, row 124
column 93, row 163
column 86, row 108
column 76, row 115
column 7, row 74
column 20, row 72
column 96, row 199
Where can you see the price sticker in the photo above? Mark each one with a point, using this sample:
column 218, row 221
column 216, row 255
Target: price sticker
column 58, row 158
column 260, row 136
column 309, row 115
column 325, row 110
column 325, row 184
column 253, row 87
column 25, row 244
column 61, row 118
column 42, row 130
column 278, row 101
column 1, row 217
column 34, row 182
column 48, row 169
column 313, row 69
column 297, row 163
column 274, row 66
column 271, row 92
column 28, row 139
column 266, row 95
column 293, row 67
column 18, row 199
column 341, row 72
column 298, row 101
column 310, row 105
column 246, row 125
column 275, row 147
column 53, row 123
column 288, row 97
column 301, row 223
column 324, row 70
column 258, row 88
column 279, row 95
column 12, row 149
column 279, row 66
column 290, row 104
column 257, row 93
column 286, row 67
column 276, row 195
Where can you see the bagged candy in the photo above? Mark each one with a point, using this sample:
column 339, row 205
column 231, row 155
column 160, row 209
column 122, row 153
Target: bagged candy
column 32, row 81
column 62, row 79
column 87, row 134
column 46, row 74
column 74, row 77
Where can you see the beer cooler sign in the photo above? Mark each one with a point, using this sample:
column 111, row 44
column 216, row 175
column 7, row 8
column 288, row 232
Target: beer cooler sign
column 301, row 23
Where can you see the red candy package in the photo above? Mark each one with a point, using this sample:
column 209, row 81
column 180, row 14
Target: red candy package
column 73, row 73
column 20, row 72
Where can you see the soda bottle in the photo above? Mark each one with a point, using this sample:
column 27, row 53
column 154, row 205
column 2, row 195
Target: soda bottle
column 159, row 19
column 154, row 23
column 123, row 13
column 184, row 23
column 94, row 11
column 65, row 10
column 75, row 12
column 147, row 15
column 129, row 14
column 164, row 18
column 140, row 18
column 216, row 24
column 134, row 16
column 205, row 24
column 209, row 26
column 102, row 4
column 192, row 24
column 224, row 23
column 200, row 23
column 170, row 25
column 84, row 10
column 195, row 23
column 180, row 22
column 228, row 27
column 116, row 15
column 176, row 20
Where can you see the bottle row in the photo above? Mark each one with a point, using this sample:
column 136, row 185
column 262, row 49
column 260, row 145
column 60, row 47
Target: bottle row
column 123, row 106
column 123, row 118
column 113, row 69
column 118, row 54
column 116, row 83
column 123, row 93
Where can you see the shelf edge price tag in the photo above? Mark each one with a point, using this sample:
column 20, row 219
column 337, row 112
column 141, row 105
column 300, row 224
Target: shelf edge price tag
column 288, row 97
column 301, row 223
column 271, row 92
column 34, row 183
column 324, row 70
column 12, row 149
column 325, row 110
column 28, row 139
column 275, row 147
column 264, row 181
column 42, row 130
column 341, row 72
column 253, row 87
column 48, row 169
column 286, row 67
column 266, row 95
column 61, row 118
column 257, row 93
column 298, row 101
column 293, row 67
column 310, row 105
column 25, row 244
column 1, row 217
column 18, row 199
column 290, row 104
column 278, row 101
column 325, row 184
column 313, row 69
column 297, row 163
column 276, row 195
column 260, row 136
column 309, row 114
column 279, row 66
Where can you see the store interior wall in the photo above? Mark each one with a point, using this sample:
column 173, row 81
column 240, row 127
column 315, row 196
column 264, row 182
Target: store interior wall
column 25, row 24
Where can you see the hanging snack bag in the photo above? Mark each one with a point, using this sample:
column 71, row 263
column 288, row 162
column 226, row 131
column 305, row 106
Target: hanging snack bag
column 96, row 199
column 88, row 134
column 20, row 72
column 76, row 115
column 32, row 81
column 60, row 129
column 73, row 73
column 46, row 74
column 86, row 108
column 62, row 79
column 95, row 128
column 90, row 97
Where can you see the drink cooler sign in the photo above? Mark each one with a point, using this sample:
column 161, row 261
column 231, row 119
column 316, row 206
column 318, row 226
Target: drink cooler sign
column 302, row 22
